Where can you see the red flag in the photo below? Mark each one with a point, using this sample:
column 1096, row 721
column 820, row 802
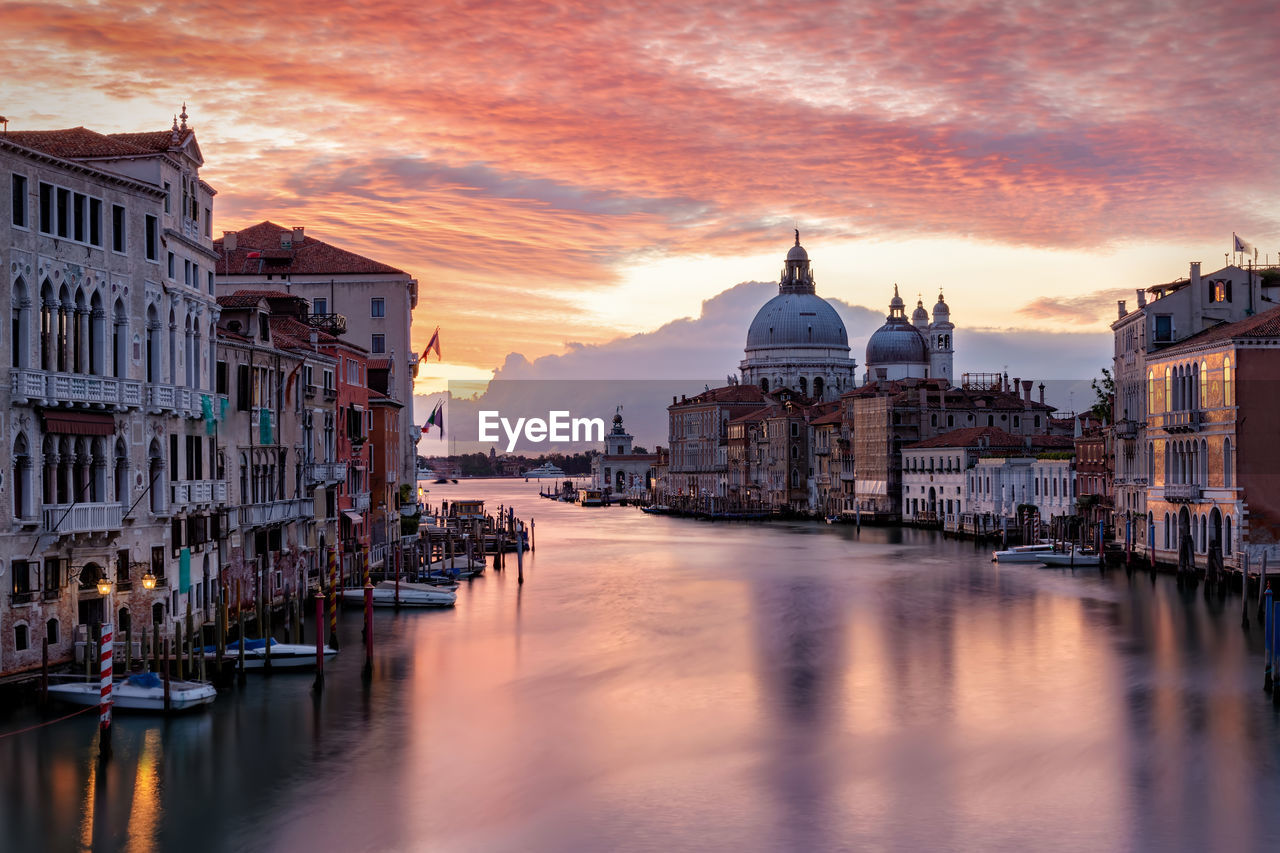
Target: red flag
column 433, row 344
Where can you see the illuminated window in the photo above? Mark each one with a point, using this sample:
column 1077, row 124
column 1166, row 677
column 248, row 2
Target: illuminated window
column 1204, row 383
column 1228, row 383
column 1168, row 389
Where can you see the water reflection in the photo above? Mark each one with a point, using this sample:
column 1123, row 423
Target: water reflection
column 659, row 683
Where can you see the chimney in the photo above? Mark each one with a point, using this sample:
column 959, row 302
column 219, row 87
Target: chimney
column 1042, row 393
column 1016, row 383
column 229, row 241
column 1142, row 298
column 1120, row 308
column 1195, row 275
column 297, row 234
column 673, row 399
column 286, row 240
column 1026, row 389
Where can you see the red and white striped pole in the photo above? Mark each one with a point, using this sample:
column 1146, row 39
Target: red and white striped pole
column 105, row 654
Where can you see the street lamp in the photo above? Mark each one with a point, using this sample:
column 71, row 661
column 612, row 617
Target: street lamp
column 104, row 586
column 148, row 580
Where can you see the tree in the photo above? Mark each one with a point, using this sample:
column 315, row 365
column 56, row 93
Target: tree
column 1105, row 389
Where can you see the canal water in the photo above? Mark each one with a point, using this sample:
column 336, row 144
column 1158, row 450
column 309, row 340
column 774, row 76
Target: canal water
column 669, row 684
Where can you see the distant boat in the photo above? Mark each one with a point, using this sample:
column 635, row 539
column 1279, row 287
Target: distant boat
column 143, row 691
column 427, row 474
column 1021, row 554
column 591, row 497
column 546, row 470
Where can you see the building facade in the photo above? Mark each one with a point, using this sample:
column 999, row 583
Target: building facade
column 367, row 302
column 110, row 402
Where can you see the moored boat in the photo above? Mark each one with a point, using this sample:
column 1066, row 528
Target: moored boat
column 1021, row 554
column 1070, row 557
column 143, row 691
column 283, row 655
column 386, row 594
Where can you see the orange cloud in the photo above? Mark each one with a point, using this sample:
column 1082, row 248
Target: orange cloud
column 512, row 154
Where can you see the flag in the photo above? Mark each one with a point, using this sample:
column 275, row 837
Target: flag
column 437, row 418
column 433, row 344
column 1239, row 244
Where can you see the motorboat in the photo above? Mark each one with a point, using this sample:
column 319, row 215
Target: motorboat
column 1021, row 554
column 545, row 470
column 408, row 594
column 656, row 509
column 591, row 497
column 1070, row 557
column 283, row 655
column 143, row 691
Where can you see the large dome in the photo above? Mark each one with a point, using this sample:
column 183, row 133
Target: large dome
column 896, row 342
column 796, row 320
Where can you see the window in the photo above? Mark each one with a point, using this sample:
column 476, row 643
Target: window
column 51, row 631
column 63, row 213
column 1228, row 383
column 152, row 237
column 52, row 574
column 1220, row 290
column 95, row 222
column 379, row 344
column 1204, row 384
column 21, row 638
column 1164, row 328
column 119, row 243
column 220, row 380
column 46, row 208
column 377, row 307
column 320, row 305
column 186, row 271
column 173, row 266
column 208, row 222
column 20, row 201
column 209, row 278
column 21, row 572
column 168, row 191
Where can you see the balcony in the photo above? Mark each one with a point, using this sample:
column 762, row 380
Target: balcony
column 191, row 494
column 330, row 394
column 334, row 324
column 1186, row 421
column 51, row 388
column 1182, row 492
column 1126, row 429
column 276, row 512
column 70, row 519
column 309, row 391
column 361, row 502
column 327, row 472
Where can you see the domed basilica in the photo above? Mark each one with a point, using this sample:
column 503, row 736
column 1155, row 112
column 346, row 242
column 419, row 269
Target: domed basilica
column 798, row 341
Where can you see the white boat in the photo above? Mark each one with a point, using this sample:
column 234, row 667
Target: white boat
column 590, row 497
column 410, row 595
column 1070, row 557
column 1021, row 554
column 545, row 470
column 283, row 655
column 143, row 691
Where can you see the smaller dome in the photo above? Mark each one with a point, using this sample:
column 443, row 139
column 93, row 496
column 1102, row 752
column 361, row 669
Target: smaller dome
column 896, row 342
column 896, row 301
column 919, row 317
column 941, row 307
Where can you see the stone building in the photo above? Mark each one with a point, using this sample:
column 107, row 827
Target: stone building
column 1210, row 445
column 698, row 439
column 109, row 411
column 618, row 470
column 1165, row 315
column 367, row 302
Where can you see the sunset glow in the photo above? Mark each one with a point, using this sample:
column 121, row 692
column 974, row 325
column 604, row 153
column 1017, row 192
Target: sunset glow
column 559, row 172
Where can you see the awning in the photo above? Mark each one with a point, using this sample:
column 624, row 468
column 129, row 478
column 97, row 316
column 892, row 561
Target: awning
column 353, row 516
column 80, row 423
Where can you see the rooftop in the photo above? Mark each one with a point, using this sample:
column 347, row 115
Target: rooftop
column 258, row 250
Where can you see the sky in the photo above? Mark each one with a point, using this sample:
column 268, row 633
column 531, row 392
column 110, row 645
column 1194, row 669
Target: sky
column 566, row 176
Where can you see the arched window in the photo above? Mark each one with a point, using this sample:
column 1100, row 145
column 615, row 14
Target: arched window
column 1204, row 384
column 1151, row 529
column 172, row 376
column 1151, row 463
column 1166, row 531
column 1151, row 390
column 48, row 324
column 97, row 333
column 804, row 386
column 119, row 341
column 121, row 472
column 1203, row 455
column 1228, row 383
column 1168, row 389
column 1226, row 535
column 817, row 387
column 1228, row 463
column 22, row 503
column 51, row 631
column 1204, row 534
column 156, row 478
column 153, row 344
column 19, row 328
column 21, row 638
column 764, row 384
